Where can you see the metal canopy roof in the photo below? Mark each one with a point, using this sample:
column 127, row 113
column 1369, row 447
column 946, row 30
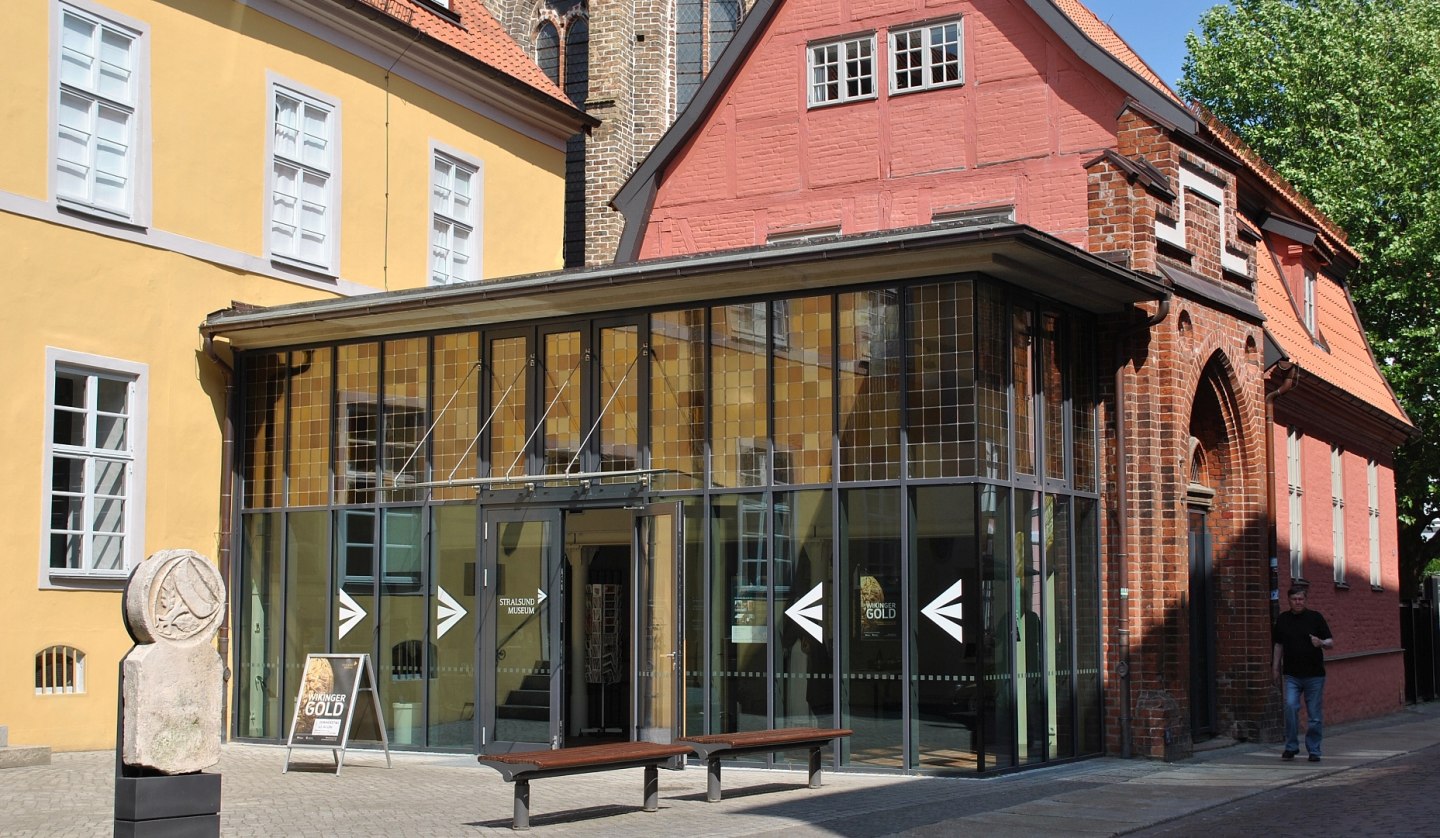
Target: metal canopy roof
column 1014, row 253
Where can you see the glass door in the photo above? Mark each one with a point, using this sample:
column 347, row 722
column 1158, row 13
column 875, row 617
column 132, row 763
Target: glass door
column 522, row 604
column 658, row 704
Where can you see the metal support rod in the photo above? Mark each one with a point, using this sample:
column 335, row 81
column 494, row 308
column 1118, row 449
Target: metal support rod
column 652, row 788
column 434, row 423
column 521, row 817
column 540, row 423
column 580, row 449
column 712, row 780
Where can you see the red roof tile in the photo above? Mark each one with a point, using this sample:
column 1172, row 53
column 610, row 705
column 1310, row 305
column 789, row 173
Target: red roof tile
column 1109, row 40
column 1345, row 361
column 478, row 35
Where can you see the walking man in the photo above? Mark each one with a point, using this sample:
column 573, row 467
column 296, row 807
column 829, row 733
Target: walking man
column 1301, row 637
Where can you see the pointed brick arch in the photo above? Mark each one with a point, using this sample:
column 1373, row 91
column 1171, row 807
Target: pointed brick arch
column 1226, row 428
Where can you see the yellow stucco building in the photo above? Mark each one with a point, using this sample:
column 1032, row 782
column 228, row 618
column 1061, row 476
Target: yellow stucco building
column 163, row 160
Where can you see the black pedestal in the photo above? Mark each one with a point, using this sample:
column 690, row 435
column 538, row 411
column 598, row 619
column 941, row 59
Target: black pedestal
column 179, row 806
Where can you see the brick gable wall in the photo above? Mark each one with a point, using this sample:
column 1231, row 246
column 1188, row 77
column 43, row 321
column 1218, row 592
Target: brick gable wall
column 1004, row 138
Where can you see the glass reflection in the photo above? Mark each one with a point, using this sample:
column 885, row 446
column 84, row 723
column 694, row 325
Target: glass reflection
column 739, row 613
column 869, row 387
column 940, row 414
column 997, row 692
column 619, row 400
column 1028, row 605
column 407, row 658
column 508, row 397
column 739, row 391
column 407, row 389
column 451, row 709
column 520, row 689
column 1059, row 627
column 804, row 388
column 562, row 395
column 1022, row 366
column 309, row 443
column 264, row 380
column 694, row 588
column 945, row 628
column 1052, row 384
column 871, row 691
column 804, row 669
column 357, row 383
column 308, row 598
column 457, row 412
column 992, row 384
column 991, row 606
column 257, row 651
column 677, row 398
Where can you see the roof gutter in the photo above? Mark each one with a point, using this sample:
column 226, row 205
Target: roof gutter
column 770, row 257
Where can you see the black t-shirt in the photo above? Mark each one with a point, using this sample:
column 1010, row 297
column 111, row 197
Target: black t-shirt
column 1292, row 633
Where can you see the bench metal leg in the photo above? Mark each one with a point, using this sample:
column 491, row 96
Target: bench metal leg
column 522, row 805
column 814, row 768
column 712, row 780
column 652, row 788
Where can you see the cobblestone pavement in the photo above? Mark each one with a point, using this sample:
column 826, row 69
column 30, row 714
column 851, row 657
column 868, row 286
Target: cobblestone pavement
column 445, row 795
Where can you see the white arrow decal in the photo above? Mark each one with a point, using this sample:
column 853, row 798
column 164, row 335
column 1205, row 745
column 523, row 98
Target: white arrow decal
column 350, row 613
column 808, row 612
column 946, row 609
column 540, row 598
column 447, row 612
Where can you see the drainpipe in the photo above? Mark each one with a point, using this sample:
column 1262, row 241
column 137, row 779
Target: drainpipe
column 1122, row 500
column 1290, row 377
column 227, row 488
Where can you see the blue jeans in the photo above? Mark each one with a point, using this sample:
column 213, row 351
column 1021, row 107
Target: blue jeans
column 1313, row 691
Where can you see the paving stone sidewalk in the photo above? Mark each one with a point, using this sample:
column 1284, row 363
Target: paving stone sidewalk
column 442, row 795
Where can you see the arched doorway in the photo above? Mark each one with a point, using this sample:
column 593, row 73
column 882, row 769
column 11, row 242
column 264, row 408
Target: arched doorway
column 1214, row 485
column 1199, row 499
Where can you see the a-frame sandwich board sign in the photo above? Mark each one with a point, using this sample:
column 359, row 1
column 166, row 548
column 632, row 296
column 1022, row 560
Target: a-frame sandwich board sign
column 325, row 707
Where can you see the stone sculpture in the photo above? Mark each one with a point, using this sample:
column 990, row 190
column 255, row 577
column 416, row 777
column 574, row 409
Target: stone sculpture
column 173, row 678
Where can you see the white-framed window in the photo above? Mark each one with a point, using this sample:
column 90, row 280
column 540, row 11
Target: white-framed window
column 842, row 71
column 455, row 189
column 1309, row 293
column 1337, row 509
column 1297, row 503
column 99, row 155
column 59, row 670
column 1372, row 486
column 304, row 158
column 926, row 57
column 94, row 501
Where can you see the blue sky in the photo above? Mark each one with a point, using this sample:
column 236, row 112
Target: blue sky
column 1154, row 28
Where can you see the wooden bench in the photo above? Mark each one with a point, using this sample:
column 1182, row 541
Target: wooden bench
column 523, row 766
column 716, row 746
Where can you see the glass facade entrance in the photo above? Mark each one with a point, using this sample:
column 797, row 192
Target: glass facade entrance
column 889, row 502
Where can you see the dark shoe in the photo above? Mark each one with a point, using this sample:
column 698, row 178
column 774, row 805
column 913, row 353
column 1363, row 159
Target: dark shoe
column 1314, row 757
column 1289, row 755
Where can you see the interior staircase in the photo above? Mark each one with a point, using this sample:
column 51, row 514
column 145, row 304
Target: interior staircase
column 531, row 702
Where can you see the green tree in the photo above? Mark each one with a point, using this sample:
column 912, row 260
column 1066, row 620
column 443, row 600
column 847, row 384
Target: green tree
column 1343, row 98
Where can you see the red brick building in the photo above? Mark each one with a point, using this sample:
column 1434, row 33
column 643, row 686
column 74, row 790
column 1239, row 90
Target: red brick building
column 956, row 384
column 1245, row 418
